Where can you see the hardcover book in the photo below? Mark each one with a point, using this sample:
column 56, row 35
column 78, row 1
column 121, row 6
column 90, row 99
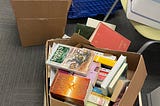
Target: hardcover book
column 70, row 58
column 84, row 30
column 71, row 88
column 104, row 37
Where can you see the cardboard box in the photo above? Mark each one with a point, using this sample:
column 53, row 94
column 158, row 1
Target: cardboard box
column 38, row 31
column 40, row 8
column 136, row 71
column 40, row 20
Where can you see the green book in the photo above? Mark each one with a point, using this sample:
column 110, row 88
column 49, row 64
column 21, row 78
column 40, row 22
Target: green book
column 84, row 30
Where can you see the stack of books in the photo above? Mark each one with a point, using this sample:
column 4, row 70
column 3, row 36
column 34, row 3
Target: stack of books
column 82, row 76
column 86, row 77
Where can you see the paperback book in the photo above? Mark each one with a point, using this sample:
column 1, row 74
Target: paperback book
column 112, row 73
column 93, row 72
column 121, row 71
column 70, row 58
column 70, row 88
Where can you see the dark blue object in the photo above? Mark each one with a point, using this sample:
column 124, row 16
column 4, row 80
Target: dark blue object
column 89, row 8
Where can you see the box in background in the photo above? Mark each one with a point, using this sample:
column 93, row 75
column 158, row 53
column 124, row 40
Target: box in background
column 40, row 20
column 136, row 71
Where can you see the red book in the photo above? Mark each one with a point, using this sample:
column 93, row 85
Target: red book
column 104, row 37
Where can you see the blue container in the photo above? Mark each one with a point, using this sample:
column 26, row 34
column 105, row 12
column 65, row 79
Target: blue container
column 88, row 8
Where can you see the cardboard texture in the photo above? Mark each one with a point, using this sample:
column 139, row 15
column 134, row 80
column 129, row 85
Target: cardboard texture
column 40, row 8
column 137, row 70
column 37, row 31
column 40, row 20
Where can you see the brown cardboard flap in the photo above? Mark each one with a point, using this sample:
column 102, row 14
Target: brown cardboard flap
column 40, row 8
column 135, row 85
column 55, row 102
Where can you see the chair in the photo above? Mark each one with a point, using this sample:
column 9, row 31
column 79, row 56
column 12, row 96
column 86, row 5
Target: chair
column 146, row 31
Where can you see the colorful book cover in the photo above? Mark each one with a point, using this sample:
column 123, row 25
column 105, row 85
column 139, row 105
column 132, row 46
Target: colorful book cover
column 104, row 37
column 71, row 58
column 70, row 88
column 93, row 72
column 103, row 74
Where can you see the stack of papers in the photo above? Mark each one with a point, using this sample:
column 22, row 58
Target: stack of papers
column 145, row 12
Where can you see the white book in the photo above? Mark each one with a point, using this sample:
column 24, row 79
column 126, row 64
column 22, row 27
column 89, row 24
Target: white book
column 113, row 71
column 145, row 12
column 52, row 76
column 116, row 77
column 94, row 23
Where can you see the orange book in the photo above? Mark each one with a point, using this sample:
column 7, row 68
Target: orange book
column 71, row 88
column 104, row 37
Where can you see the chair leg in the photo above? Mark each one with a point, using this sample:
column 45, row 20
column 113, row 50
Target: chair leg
column 148, row 43
column 110, row 10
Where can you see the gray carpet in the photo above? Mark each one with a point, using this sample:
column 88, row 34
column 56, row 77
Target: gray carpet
column 22, row 69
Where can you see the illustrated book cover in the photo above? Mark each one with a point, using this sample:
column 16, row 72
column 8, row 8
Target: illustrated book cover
column 71, row 88
column 70, row 58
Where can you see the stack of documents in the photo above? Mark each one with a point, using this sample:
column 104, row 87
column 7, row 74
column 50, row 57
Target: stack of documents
column 145, row 12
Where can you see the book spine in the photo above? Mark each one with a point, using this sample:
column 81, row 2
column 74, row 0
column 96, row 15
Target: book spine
column 116, row 77
column 111, row 74
column 104, row 60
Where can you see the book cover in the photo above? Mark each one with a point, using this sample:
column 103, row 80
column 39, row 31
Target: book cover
column 99, row 99
column 104, row 60
column 103, row 73
column 83, row 30
column 119, row 88
column 104, row 37
column 117, row 77
column 94, row 23
column 93, row 72
column 112, row 73
column 70, row 58
column 70, row 88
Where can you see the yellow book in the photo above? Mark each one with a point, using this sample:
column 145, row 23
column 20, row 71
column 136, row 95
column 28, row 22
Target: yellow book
column 104, row 60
